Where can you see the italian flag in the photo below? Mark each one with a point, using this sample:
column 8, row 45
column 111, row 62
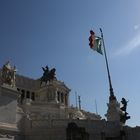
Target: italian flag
column 95, row 42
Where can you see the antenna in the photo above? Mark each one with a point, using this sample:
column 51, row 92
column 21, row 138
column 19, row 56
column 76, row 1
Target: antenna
column 96, row 107
column 79, row 102
column 76, row 98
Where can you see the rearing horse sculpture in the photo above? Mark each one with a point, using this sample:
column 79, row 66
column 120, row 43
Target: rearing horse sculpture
column 48, row 75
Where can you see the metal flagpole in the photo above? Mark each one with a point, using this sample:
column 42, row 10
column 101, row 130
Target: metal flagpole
column 108, row 72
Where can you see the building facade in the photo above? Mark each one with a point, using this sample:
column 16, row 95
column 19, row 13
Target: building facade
column 33, row 111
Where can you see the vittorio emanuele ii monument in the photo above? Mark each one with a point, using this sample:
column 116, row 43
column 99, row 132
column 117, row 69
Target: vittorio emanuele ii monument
column 39, row 109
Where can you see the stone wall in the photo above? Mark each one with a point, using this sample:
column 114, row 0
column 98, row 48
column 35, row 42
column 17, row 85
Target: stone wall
column 56, row 129
column 8, row 104
column 96, row 130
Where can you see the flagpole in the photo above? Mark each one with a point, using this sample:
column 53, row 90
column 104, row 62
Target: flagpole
column 108, row 72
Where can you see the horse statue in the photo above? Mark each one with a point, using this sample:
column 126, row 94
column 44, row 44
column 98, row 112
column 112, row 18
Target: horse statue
column 48, row 75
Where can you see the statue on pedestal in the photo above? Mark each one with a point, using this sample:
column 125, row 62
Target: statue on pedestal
column 48, row 75
column 124, row 115
column 124, row 102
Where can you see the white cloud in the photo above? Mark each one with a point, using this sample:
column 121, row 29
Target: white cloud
column 133, row 44
column 136, row 27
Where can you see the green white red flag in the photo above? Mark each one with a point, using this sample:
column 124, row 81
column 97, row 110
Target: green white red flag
column 95, row 42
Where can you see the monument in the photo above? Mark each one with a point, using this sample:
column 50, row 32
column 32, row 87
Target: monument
column 39, row 109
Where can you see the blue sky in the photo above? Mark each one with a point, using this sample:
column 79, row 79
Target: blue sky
column 36, row 33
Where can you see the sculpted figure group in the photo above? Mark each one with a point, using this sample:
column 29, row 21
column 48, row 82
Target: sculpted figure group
column 8, row 74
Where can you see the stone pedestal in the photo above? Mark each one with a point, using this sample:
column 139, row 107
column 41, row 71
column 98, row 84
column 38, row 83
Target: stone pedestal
column 113, row 112
column 8, row 103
